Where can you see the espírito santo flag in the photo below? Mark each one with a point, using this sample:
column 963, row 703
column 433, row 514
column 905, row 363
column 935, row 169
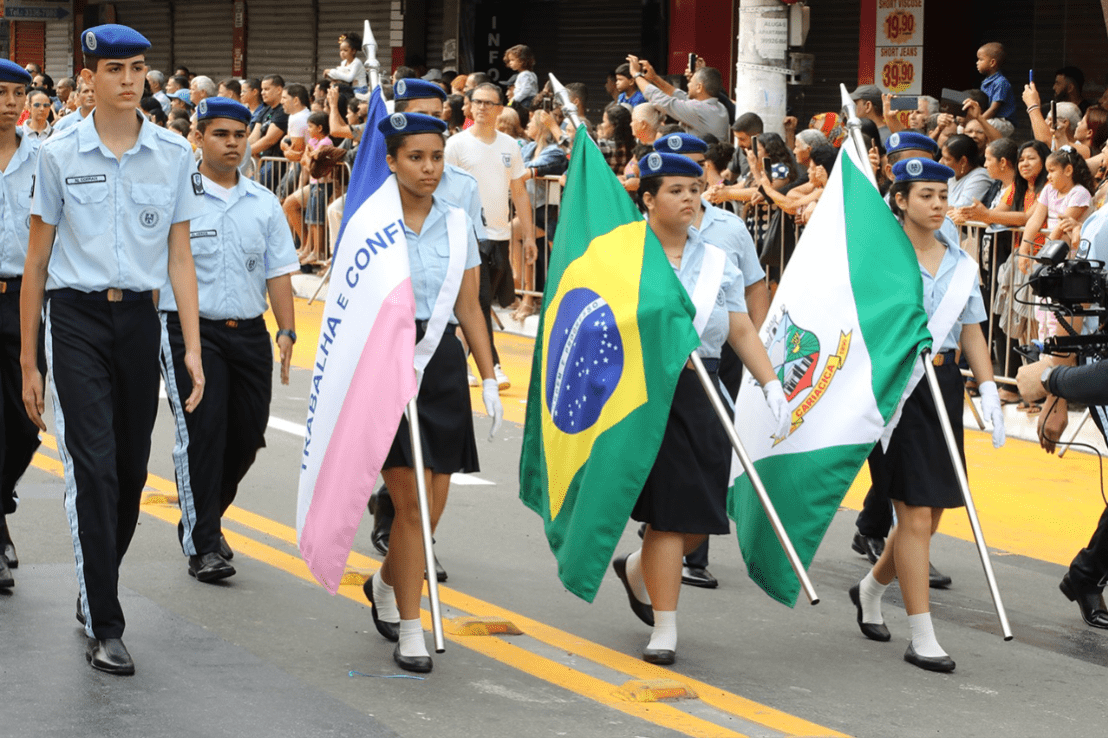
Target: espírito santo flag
column 845, row 329
column 615, row 331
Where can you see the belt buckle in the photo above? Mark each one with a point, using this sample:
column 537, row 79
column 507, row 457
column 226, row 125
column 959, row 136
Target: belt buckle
column 939, row 360
column 3, row 286
column 231, row 323
column 115, row 295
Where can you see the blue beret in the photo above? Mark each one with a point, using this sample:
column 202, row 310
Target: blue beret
column 910, row 141
column 12, row 72
column 661, row 164
column 680, row 143
column 408, row 123
column 921, row 170
column 217, row 107
column 112, row 41
column 412, row 89
column 183, row 96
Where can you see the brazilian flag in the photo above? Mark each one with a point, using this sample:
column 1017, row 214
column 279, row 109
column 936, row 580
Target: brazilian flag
column 615, row 331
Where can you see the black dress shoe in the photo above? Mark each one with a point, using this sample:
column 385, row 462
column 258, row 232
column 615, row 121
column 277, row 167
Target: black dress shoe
column 412, row 664
column 225, row 549
column 440, row 571
column 6, row 578
column 877, row 632
column 380, row 505
column 9, row 550
column 109, row 655
column 1093, row 610
column 642, row 610
column 937, row 579
column 698, row 577
column 659, row 656
column 934, row 664
column 390, row 631
column 209, row 567
column 870, row 546
column 80, row 611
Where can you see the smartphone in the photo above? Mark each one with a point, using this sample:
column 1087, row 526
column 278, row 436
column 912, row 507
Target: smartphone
column 905, row 102
column 766, row 164
column 754, row 145
column 692, row 62
column 1031, row 76
column 951, row 101
column 1054, row 113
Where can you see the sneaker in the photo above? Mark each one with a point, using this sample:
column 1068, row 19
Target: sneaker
column 501, row 379
column 473, row 381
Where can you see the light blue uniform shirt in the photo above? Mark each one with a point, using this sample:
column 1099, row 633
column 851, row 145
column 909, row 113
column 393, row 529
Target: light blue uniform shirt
column 68, row 121
column 934, row 288
column 729, row 300
column 237, row 245
column 727, row 231
column 429, row 256
column 113, row 215
column 15, row 206
column 458, row 187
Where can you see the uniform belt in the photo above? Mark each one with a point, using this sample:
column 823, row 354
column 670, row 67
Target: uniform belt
column 233, row 322
column 111, row 295
column 10, row 284
column 421, row 328
column 942, row 358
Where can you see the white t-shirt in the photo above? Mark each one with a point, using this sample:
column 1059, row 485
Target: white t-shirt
column 298, row 124
column 494, row 166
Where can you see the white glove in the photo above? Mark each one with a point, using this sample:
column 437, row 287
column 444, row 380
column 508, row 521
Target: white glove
column 779, row 407
column 490, row 391
column 991, row 410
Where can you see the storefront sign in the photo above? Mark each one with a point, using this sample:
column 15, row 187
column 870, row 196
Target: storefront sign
column 898, row 48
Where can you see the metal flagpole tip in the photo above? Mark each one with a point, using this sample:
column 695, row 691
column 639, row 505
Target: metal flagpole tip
column 852, row 119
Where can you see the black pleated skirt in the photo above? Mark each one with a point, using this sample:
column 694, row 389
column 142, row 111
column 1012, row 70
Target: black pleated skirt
column 686, row 490
column 916, row 468
column 445, row 415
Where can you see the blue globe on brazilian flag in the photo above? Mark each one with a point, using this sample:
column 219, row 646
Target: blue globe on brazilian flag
column 615, row 331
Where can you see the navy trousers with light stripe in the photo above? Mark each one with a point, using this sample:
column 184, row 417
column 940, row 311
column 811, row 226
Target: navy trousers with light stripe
column 103, row 362
column 216, row 443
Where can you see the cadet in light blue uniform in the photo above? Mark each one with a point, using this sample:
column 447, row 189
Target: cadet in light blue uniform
column 242, row 247
column 18, row 154
column 684, row 497
column 118, row 193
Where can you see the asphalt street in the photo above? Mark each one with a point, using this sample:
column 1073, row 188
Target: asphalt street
column 270, row 652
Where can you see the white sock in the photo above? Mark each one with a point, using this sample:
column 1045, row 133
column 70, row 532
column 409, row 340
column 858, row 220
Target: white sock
column 384, row 597
column 665, row 631
column 923, row 636
column 634, row 576
column 411, row 638
column 869, row 595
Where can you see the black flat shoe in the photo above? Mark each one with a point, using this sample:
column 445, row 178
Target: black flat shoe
column 642, row 610
column 659, row 656
column 390, row 631
column 6, row 578
column 225, row 549
column 209, row 567
column 109, row 655
column 80, row 611
column 412, row 664
column 9, row 552
column 937, row 579
column 869, row 546
column 934, row 664
column 698, row 577
column 1093, row 610
column 440, row 571
column 380, row 505
column 877, row 632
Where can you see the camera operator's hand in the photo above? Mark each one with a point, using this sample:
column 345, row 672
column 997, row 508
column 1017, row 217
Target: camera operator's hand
column 1052, row 423
column 991, row 410
column 1029, row 380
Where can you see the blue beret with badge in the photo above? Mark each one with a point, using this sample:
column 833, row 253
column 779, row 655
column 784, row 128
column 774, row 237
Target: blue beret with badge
column 12, row 72
column 413, row 89
column 217, row 107
column 910, row 141
column 405, row 124
column 921, row 170
column 680, row 143
column 113, row 41
column 664, row 164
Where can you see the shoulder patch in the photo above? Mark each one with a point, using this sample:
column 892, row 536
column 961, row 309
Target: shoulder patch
column 197, row 184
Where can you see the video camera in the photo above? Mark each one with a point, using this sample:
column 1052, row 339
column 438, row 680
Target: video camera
column 1070, row 287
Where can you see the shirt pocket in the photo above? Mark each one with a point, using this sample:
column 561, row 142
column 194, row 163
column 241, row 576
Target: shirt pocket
column 251, row 252
column 153, row 205
column 93, row 217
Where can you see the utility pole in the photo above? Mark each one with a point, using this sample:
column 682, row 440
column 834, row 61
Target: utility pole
column 762, row 69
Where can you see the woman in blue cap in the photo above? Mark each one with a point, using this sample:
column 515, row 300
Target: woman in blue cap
column 914, row 467
column 442, row 251
column 684, row 498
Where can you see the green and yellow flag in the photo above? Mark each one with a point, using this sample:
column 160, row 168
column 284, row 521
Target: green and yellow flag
column 615, row 331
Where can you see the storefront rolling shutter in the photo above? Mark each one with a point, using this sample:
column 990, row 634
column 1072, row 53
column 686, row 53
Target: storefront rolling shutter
column 435, row 33
column 30, row 43
column 834, row 42
column 281, row 39
column 202, row 37
column 151, row 18
column 59, row 48
column 337, row 17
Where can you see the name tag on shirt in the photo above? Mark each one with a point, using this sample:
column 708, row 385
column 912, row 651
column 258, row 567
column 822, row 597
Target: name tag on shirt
column 203, row 234
column 86, row 179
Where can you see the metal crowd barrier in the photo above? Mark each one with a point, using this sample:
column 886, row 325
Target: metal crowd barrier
column 317, row 208
column 530, row 279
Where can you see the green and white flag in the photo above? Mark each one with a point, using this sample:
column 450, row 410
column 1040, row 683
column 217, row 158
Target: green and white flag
column 844, row 331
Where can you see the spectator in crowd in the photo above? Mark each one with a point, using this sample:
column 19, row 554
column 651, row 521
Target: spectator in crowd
column 458, row 84
column 610, row 87
column 202, row 88
column 156, row 81
column 508, row 123
column 351, row 71
column 629, row 93
column 807, row 140
column 1068, row 87
column 521, row 60
column 745, row 128
column 252, row 98
column 33, row 69
column 698, row 111
column 975, row 130
column 296, row 102
column 319, row 96
column 307, row 205
column 181, row 100
column 474, row 79
column 453, row 115
column 615, row 139
column 868, row 104
column 1090, row 134
column 86, row 101
column 184, row 73
column 645, row 122
column 1067, row 194
column 231, row 89
column 926, row 106
column 37, row 126
column 181, row 126
column 971, row 181
column 64, row 91
column 1002, row 99
column 175, row 83
column 153, row 110
column 265, row 136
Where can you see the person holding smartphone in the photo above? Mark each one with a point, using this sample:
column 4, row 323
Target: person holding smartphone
column 699, row 111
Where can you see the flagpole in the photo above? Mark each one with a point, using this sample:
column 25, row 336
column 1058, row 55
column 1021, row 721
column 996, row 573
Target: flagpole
column 748, row 464
column 425, row 527
column 1073, row 437
column 568, row 108
column 854, row 130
